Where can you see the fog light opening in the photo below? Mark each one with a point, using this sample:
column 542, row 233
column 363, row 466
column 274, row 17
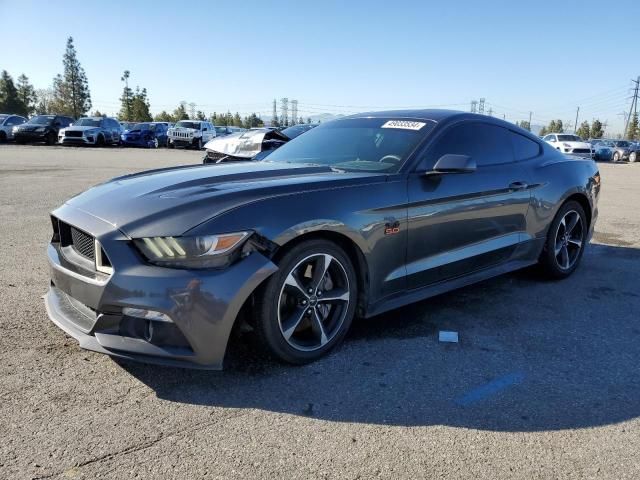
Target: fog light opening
column 150, row 315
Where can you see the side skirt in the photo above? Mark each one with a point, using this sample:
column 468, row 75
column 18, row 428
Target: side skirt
column 432, row 290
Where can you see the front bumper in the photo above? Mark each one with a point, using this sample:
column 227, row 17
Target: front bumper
column 183, row 141
column 21, row 136
column 90, row 140
column 203, row 304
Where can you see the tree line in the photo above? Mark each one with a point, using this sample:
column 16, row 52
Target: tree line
column 69, row 94
column 585, row 130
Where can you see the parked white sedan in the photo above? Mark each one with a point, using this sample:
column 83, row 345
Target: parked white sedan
column 570, row 144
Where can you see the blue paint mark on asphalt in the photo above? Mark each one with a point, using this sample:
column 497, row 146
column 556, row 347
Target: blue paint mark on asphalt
column 484, row 391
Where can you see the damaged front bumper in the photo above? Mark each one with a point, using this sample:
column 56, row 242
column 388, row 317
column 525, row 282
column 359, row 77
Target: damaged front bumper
column 197, row 308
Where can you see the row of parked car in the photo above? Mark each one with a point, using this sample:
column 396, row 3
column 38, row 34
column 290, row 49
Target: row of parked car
column 102, row 131
column 601, row 149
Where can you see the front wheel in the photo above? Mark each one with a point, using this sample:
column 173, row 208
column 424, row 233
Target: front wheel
column 616, row 156
column 51, row 139
column 566, row 241
column 633, row 157
column 170, row 144
column 305, row 309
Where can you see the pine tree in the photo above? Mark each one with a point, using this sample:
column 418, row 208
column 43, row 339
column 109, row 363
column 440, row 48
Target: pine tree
column 180, row 113
column 9, row 99
column 126, row 99
column 71, row 89
column 596, row 129
column 140, row 106
column 27, row 94
column 543, row 131
column 584, row 130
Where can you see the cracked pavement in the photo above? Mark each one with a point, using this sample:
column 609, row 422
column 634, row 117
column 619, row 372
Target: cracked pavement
column 384, row 405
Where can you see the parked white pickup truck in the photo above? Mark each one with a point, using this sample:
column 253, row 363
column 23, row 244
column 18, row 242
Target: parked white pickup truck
column 190, row 133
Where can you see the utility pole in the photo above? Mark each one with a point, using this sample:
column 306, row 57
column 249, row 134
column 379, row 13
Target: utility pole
column 481, row 107
column 634, row 105
column 284, row 112
column 575, row 127
column 274, row 116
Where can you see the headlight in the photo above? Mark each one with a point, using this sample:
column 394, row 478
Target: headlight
column 208, row 251
column 15, row 129
column 40, row 129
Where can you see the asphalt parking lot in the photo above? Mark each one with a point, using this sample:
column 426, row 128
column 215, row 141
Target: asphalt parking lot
column 544, row 383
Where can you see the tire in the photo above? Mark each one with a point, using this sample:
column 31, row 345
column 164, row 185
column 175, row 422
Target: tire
column 198, row 144
column 297, row 321
column 51, row 138
column 565, row 244
column 615, row 157
column 100, row 141
column 633, row 157
column 170, row 144
column 3, row 137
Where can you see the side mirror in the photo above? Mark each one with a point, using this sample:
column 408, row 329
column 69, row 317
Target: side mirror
column 452, row 163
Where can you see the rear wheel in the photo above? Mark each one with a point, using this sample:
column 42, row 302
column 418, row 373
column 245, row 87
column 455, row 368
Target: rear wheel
column 616, row 156
column 566, row 240
column 633, row 157
column 307, row 306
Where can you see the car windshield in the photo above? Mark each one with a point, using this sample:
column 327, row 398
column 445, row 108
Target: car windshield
column 622, row 143
column 569, row 138
column 88, row 122
column 42, row 119
column 141, row 126
column 359, row 144
column 185, row 124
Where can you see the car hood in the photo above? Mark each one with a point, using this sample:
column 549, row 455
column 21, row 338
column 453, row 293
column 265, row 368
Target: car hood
column 247, row 144
column 169, row 202
column 80, row 128
column 577, row 144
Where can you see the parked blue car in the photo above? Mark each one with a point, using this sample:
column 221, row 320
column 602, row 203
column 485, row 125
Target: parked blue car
column 146, row 134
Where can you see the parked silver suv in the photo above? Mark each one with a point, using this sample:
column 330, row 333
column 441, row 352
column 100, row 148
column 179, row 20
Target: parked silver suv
column 98, row 131
column 7, row 122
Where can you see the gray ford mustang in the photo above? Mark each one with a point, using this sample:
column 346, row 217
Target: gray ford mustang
column 356, row 217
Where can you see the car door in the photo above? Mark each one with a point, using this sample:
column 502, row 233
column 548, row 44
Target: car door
column 462, row 222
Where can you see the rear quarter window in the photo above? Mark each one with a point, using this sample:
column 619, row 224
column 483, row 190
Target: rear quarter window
column 523, row 147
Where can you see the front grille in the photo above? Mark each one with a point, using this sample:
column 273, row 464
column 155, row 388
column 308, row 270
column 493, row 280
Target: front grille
column 181, row 134
column 83, row 243
column 581, row 150
column 72, row 133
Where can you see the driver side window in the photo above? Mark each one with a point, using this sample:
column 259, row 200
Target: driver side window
column 486, row 144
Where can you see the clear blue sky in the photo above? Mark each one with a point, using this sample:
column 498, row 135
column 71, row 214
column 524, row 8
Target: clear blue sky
column 339, row 56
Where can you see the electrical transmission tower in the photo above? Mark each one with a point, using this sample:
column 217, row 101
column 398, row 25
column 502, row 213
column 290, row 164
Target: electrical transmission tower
column 474, row 106
column 294, row 112
column 284, row 112
column 192, row 110
column 634, row 106
column 481, row 107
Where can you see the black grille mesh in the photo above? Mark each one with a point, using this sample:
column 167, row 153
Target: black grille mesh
column 83, row 243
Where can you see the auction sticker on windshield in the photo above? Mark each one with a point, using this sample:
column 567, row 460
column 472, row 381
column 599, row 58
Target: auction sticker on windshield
column 406, row 125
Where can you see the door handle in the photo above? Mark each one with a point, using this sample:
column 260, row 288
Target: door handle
column 514, row 186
